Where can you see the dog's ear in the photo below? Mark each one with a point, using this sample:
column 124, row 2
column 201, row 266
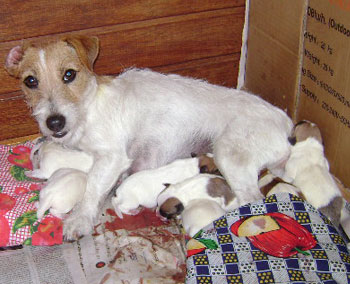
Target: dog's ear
column 86, row 47
column 13, row 60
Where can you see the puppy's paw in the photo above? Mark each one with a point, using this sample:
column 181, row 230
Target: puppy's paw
column 36, row 174
column 76, row 226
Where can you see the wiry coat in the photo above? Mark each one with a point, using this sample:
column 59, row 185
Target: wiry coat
column 143, row 119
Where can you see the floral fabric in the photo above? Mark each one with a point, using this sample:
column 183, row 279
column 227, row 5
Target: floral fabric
column 18, row 194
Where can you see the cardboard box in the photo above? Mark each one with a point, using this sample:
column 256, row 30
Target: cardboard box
column 296, row 54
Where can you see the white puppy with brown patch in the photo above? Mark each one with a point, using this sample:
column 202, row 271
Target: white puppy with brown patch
column 142, row 120
column 64, row 189
column 199, row 213
column 269, row 184
column 142, row 188
column 308, row 169
column 48, row 156
column 206, row 196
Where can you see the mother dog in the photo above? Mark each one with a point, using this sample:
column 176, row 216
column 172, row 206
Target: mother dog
column 142, row 119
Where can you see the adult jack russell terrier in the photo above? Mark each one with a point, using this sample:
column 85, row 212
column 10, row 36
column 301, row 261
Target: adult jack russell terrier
column 143, row 120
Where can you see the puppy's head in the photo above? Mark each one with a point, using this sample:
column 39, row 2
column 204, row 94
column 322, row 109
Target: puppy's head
column 303, row 130
column 207, row 165
column 56, row 75
column 171, row 208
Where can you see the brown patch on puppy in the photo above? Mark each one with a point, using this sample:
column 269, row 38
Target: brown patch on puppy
column 305, row 129
column 218, row 187
column 171, row 208
column 333, row 209
column 207, row 166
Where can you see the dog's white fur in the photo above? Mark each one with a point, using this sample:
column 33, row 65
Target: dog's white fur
column 48, row 156
column 142, row 188
column 143, row 119
column 307, row 168
column 199, row 213
column 269, row 180
column 64, row 189
column 193, row 188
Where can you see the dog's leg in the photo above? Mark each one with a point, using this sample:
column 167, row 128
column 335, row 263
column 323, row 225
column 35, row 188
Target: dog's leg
column 237, row 164
column 101, row 178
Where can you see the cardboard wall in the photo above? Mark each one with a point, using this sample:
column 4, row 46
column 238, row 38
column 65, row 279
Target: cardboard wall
column 298, row 55
column 324, row 92
column 273, row 50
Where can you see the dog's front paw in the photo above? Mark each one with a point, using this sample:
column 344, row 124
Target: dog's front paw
column 76, row 226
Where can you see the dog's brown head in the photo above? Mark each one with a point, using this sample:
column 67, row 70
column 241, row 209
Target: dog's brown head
column 207, row 165
column 55, row 75
column 303, row 130
column 171, row 208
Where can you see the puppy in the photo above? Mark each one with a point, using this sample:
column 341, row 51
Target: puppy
column 308, row 169
column 198, row 200
column 64, row 189
column 176, row 197
column 142, row 188
column 199, row 213
column 48, row 156
column 269, row 184
column 143, row 120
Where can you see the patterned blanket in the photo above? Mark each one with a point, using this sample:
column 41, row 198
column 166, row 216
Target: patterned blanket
column 237, row 260
column 216, row 254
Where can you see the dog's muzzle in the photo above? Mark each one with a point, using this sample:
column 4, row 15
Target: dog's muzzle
column 56, row 124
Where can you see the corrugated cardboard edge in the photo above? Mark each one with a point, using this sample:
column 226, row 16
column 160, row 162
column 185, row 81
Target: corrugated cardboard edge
column 301, row 58
column 244, row 49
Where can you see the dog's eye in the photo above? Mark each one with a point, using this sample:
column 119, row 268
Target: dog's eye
column 31, row 82
column 69, row 76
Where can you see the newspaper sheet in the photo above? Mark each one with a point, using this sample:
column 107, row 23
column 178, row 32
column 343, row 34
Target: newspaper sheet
column 150, row 254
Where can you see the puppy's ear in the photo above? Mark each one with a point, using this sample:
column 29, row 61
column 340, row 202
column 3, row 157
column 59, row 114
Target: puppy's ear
column 86, row 47
column 13, row 60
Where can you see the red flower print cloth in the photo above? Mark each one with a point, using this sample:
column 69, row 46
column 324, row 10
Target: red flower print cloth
column 18, row 194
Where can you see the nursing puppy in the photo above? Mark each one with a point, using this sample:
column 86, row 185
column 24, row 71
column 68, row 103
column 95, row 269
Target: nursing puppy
column 142, row 120
column 269, row 184
column 48, row 156
column 206, row 196
column 142, row 188
column 64, row 189
column 308, row 169
column 200, row 213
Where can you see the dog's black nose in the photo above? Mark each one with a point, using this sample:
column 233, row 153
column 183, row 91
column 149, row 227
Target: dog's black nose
column 56, row 122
